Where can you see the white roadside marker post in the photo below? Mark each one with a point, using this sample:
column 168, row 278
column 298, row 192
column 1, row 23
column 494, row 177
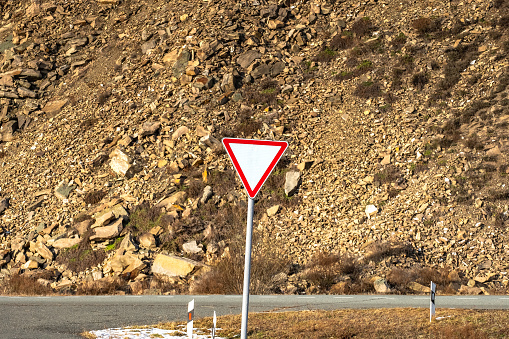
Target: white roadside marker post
column 190, row 317
column 253, row 160
column 432, row 301
column 214, row 326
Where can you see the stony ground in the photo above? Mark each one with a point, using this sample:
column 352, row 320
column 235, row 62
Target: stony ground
column 113, row 178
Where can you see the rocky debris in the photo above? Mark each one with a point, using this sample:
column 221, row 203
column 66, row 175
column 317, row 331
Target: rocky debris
column 374, row 108
column 292, row 182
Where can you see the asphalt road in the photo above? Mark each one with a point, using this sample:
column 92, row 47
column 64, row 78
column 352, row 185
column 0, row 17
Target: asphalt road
column 66, row 317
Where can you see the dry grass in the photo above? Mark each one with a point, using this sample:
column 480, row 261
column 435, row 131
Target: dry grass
column 227, row 276
column 366, row 323
column 28, row 283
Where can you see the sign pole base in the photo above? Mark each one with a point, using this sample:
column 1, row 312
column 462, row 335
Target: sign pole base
column 247, row 268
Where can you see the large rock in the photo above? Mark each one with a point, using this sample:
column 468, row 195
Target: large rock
column 4, row 204
column 54, row 107
column 192, row 247
column 174, row 199
column 381, row 286
column 245, row 59
column 44, row 251
column 292, row 182
column 65, row 242
column 120, row 163
column 149, row 128
column 63, row 189
column 107, row 232
column 173, row 266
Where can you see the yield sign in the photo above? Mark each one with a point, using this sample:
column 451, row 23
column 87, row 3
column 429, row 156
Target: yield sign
column 254, row 160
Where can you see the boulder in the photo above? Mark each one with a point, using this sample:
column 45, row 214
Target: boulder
column 107, row 232
column 65, row 242
column 120, row 163
column 381, row 286
column 173, row 266
column 292, row 182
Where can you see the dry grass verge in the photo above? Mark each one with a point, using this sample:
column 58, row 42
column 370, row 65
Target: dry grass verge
column 369, row 323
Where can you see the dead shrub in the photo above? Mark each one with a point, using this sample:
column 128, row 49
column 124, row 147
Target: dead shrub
column 88, row 123
column 94, row 197
column 324, row 269
column 105, row 286
column 474, row 142
column 341, row 42
column 425, row 25
column 265, row 93
column 387, row 175
column 379, row 251
column 195, row 188
column 246, row 124
column 400, row 278
column 103, row 96
column 362, row 27
column 325, row 55
column 368, row 89
column 28, row 284
column 399, row 40
column 81, row 256
column 227, row 276
column 145, row 217
column 420, row 80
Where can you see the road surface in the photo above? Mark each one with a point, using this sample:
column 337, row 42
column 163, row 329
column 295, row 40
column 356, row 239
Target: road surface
column 66, row 317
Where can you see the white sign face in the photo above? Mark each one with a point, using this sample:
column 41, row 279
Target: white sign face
column 254, row 160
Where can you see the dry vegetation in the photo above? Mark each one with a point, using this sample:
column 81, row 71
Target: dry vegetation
column 370, row 323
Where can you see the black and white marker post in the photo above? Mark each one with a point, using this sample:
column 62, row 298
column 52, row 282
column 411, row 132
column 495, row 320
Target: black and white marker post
column 432, row 301
column 253, row 160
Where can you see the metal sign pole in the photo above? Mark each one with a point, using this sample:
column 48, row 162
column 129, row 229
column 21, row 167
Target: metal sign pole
column 247, row 267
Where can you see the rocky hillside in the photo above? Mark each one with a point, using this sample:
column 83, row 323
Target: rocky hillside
column 113, row 178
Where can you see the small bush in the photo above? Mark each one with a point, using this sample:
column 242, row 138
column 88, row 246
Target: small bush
column 246, row 125
column 425, row 25
column 105, row 286
column 265, row 93
column 362, row 27
column 103, row 96
column 341, row 42
column 88, row 123
column 227, row 276
column 325, row 55
column 387, row 175
column 420, row 80
column 368, row 89
column 81, row 256
column 144, row 217
column 379, row 251
column 399, row 40
column 28, row 284
column 94, row 197
column 474, row 142
column 324, row 269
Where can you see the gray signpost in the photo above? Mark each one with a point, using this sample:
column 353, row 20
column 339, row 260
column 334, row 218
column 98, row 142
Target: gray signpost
column 253, row 160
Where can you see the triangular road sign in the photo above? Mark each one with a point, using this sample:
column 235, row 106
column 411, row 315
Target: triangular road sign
column 254, row 160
